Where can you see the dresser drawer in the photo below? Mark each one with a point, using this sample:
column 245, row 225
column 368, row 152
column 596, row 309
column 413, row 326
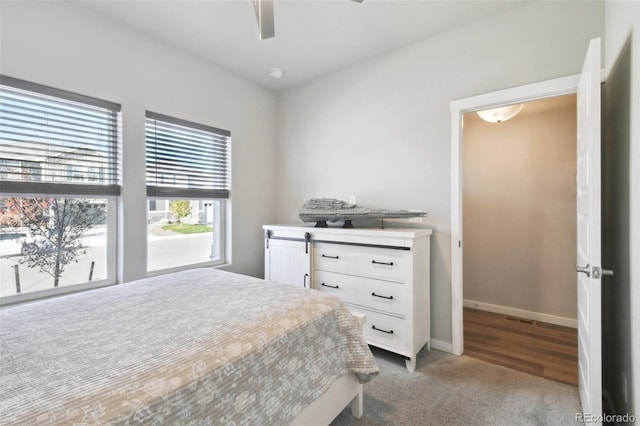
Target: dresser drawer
column 385, row 296
column 385, row 331
column 382, row 263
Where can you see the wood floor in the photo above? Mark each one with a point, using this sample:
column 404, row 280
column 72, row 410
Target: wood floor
column 534, row 347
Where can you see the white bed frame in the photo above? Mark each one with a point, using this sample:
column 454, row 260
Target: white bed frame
column 346, row 390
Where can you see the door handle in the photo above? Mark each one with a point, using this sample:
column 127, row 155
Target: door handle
column 597, row 272
column 584, row 269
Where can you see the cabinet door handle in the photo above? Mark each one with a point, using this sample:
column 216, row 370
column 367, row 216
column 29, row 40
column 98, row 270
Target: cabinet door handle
column 304, row 280
column 379, row 329
column 331, row 257
column 330, row 286
column 382, row 297
column 382, row 263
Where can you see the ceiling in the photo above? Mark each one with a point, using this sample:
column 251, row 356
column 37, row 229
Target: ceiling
column 313, row 37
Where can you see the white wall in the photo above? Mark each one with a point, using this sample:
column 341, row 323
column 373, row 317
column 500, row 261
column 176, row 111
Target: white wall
column 519, row 185
column 622, row 153
column 380, row 130
column 64, row 46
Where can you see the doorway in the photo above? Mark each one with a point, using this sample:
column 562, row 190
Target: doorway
column 589, row 270
column 519, row 223
column 531, row 92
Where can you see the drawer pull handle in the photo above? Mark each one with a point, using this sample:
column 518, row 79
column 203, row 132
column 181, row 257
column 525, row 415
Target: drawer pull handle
column 382, row 263
column 331, row 257
column 330, row 286
column 379, row 329
column 383, row 297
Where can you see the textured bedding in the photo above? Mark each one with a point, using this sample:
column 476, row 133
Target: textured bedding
column 195, row 347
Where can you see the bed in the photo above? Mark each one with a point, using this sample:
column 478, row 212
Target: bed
column 196, row 347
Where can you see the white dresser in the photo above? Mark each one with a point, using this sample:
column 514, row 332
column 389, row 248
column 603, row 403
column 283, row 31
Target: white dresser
column 382, row 273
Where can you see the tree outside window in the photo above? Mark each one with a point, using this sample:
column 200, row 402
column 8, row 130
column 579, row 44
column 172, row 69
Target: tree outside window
column 55, row 230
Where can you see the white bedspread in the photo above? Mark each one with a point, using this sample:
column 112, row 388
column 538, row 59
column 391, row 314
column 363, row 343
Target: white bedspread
column 196, row 347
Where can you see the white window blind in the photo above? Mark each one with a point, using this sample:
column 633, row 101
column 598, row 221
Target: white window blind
column 57, row 142
column 185, row 159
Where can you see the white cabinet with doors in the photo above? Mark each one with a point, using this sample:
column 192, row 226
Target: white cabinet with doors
column 381, row 273
column 287, row 256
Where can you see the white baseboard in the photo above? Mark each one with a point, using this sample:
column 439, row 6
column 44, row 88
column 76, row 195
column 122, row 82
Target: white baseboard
column 521, row 313
column 439, row 345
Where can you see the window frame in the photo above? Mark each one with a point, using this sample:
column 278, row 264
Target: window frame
column 66, row 188
column 221, row 238
column 111, row 255
column 86, row 190
column 220, row 196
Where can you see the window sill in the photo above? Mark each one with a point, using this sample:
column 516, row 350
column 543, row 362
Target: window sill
column 211, row 264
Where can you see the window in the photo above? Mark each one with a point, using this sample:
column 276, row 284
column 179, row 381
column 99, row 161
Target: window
column 59, row 181
column 188, row 184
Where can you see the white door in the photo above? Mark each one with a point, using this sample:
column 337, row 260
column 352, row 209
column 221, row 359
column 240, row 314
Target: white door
column 588, row 220
column 288, row 261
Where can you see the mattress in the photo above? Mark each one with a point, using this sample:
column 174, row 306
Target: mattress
column 196, row 347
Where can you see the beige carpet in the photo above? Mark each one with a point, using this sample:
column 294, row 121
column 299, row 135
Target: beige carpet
column 450, row 390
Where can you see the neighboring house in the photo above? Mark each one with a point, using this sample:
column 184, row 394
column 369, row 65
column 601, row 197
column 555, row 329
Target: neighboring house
column 160, row 210
column 47, row 162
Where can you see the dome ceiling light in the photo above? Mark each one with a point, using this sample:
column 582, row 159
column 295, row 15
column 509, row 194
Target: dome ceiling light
column 500, row 114
column 276, row 72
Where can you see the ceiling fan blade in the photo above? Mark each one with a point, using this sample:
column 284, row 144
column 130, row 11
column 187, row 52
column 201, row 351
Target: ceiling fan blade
column 264, row 13
column 358, row 1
